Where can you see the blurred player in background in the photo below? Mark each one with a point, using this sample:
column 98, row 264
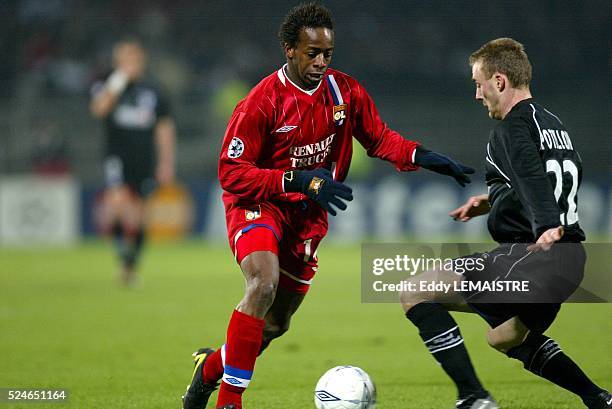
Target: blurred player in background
column 284, row 158
column 140, row 148
column 533, row 173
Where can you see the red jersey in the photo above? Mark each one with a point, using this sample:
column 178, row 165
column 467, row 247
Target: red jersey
column 280, row 126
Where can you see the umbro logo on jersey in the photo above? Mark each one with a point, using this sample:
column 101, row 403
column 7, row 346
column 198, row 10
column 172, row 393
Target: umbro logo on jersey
column 286, row 128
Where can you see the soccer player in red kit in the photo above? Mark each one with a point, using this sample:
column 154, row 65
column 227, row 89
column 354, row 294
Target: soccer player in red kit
column 285, row 153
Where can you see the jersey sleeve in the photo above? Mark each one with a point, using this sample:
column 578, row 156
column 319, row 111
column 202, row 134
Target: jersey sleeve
column 239, row 173
column 377, row 138
column 518, row 155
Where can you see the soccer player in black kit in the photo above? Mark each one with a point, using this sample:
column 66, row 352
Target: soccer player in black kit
column 140, row 147
column 533, row 173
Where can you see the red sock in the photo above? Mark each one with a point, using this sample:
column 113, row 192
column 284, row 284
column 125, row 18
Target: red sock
column 244, row 336
column 212, row 370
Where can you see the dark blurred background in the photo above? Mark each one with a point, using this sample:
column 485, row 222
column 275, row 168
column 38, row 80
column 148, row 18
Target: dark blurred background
column 410, row 55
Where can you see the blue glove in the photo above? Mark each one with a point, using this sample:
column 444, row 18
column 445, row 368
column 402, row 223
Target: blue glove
column 319, row 185
column 442, row 164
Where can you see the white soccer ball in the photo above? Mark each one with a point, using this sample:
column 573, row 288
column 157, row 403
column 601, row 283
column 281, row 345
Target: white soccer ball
column 345, row 387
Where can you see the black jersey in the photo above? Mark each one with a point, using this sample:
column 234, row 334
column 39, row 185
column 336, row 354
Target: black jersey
column 130, row 126
column 533, row 174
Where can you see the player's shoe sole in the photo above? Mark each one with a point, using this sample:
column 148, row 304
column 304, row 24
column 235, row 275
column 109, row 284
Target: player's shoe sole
column 198, row 392
column 471, row 402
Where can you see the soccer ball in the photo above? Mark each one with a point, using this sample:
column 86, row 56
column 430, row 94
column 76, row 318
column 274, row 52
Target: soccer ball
column 345, row 387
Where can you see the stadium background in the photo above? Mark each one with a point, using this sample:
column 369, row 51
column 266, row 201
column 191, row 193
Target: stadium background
column 410, row 55
column 63, row 323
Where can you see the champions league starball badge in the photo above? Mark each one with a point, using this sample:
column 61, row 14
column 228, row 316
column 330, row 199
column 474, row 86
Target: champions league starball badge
column 235, row 148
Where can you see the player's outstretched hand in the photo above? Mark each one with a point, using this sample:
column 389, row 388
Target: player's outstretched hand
column 475, row 206
column 444, row 165
column 547, row 239
column 319, row 185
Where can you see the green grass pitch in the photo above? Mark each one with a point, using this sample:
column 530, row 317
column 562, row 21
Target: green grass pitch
column 64, row 323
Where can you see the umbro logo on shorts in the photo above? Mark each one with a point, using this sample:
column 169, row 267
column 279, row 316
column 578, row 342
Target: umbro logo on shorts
column 286, row 128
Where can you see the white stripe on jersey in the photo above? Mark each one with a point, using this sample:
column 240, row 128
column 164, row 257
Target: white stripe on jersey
column 294, row 278
column 489, row 159
column 556, row 117
column 335, row 89
column 306, row 91
column 281, row 76
column 271, row 103
column 536, row 121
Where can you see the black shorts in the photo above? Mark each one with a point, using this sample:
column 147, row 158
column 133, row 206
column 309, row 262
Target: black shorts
column 540, row 281
column 138, row 176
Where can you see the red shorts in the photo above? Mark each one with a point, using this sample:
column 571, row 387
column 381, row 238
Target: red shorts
column 292, row 231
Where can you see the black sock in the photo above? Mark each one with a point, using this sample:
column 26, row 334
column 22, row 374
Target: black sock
column 543, row 356
column 134, row 249
column 138, row 243
column 117, row 231
column 122, row 245
column 442, row 337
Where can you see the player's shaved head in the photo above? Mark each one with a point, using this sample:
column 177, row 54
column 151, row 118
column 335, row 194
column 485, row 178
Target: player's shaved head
column 305, row 15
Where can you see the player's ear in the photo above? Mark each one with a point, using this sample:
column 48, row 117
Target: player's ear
column 289, row 51
column 500, row 81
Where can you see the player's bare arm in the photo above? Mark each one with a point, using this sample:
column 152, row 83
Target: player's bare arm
column 104, row 101
column 165, row 138
column 475, row 206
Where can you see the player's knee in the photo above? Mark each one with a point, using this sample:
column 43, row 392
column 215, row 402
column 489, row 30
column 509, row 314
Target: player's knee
column 262, row 291
column 409, row 299
column 495, row 342
column 504, row 341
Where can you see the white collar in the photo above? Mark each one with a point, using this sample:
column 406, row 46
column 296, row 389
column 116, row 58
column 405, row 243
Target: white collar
column 282, row 76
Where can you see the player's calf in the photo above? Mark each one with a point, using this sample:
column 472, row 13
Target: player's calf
column 245, row 330
column 272, row 330
column 278, row 318
column 442, row 337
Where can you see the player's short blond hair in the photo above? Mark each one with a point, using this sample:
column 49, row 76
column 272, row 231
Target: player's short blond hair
column 506, row 56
